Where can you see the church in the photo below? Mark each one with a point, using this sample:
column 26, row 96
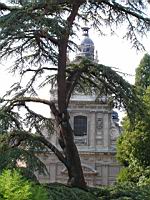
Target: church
column 96, row 130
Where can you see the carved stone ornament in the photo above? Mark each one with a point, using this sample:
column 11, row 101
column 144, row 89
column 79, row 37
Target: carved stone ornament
column 114, row 134
column 99, row 123
column 80, row 140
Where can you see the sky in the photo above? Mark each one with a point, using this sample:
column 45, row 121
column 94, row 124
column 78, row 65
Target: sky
column 116, row 52
column 112, row 51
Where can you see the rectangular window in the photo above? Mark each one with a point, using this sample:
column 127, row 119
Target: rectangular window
column 80, row 125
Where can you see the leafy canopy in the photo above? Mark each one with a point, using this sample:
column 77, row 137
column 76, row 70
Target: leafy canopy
column 36, row 36
column 133, row 145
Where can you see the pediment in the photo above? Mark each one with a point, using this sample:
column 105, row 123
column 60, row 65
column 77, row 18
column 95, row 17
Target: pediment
column 87, row 170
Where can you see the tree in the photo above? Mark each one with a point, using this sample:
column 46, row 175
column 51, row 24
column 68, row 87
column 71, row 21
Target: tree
column 133, row 152
column 133, row 146
column 142, row 79
column 39, row 40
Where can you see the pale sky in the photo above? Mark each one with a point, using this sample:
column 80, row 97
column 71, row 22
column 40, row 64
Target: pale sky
column 116, row 52
column 112, row 51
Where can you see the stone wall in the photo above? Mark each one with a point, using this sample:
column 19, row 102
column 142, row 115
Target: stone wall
column 99, row 168
column 96, row 149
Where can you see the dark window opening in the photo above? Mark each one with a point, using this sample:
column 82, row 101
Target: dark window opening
column 80, row 125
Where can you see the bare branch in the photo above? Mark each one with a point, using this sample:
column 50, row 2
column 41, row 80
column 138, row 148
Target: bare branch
column 40, row 69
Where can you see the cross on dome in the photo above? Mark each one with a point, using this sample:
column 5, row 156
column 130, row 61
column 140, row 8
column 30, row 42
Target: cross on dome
column 85, row 31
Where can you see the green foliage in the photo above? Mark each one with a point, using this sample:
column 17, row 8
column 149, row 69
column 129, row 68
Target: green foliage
column 124, row 175
column 11, row 137
column 14, row 187
column 38, row 193
column 142, row 78
column 133, row 152
column 38, row 41
column 130, row 191
column 11, row 155
column 133, row 146
column 124, row 191
column 57, row 192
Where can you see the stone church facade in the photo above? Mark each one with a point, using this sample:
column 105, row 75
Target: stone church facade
column 96, row 129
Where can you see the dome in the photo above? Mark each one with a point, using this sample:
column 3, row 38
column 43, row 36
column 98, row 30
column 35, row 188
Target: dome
column 115, row 116
column 86, row 48
column 87, row 41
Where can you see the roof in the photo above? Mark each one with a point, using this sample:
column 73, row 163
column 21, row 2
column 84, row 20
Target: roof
column 87, row 41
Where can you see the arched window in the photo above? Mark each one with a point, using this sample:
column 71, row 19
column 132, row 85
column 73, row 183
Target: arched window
column 80, row 125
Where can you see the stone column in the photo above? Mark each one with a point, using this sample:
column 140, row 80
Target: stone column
column 104, row 174
column 106, row 130
column 53, row 172
column 92, row 130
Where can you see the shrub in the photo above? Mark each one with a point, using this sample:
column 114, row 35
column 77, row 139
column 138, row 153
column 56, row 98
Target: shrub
column 124, row 175
column 14, row 187
column 62, row 192
column 38, row 193
column 126, row 191
column 123, row 191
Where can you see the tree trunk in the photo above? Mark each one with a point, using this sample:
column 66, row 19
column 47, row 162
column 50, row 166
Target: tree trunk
column 75, row 172
column 66, row 139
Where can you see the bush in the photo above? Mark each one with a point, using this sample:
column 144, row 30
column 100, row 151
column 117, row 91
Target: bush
column 123, row 191
column 62, row 192
column 38, row 193
column 126, row 191
column 14, row 187
column 124, row 175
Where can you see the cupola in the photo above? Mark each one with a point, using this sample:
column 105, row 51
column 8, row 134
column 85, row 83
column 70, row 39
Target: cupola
column 86, row 48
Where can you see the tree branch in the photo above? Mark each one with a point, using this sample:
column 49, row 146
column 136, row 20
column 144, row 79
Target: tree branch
column 44, row 34
column 118, row 7
column 22, row 100
column 73, row 13
column 26, row 136
column 71, row 83
column 39, row 70
column 35, row 114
